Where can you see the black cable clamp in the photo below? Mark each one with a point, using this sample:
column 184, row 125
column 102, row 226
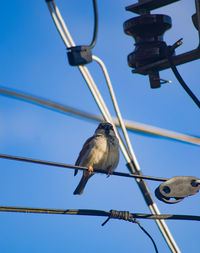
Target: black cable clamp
column 121, row 215
column 178, row 188
column 79, row 55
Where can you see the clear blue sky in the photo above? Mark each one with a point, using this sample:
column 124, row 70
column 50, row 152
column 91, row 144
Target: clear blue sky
column 33, row 60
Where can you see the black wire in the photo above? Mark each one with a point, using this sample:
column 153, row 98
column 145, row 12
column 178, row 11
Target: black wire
column 91, row 212
column 127, row 216
column 62, row 165
column 144, row 230
column 180, row 79
column 95, row 24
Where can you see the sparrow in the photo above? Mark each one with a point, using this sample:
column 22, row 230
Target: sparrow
column 101, row 151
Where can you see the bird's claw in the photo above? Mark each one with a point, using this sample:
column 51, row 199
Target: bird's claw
column 109, row 172
column 90, row 170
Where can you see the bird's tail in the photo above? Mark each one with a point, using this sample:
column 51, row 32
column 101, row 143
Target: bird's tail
column 80, row 188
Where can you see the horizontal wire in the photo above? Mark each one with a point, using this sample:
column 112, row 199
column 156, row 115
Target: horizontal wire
column 130, row 125
column 62, row 165
column 91, row 212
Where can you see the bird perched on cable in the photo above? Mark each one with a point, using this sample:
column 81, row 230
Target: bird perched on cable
column 101, row 151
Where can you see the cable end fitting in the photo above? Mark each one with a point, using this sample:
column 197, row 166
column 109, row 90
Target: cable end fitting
column 79, row 55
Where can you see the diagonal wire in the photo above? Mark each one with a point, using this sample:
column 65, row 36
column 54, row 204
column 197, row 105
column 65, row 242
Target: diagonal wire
column 65, row 35
column 107, row 117
column 100, row 102
column 181, row 81
column 135, row 168
column 130, row 125
column 133, row 165
column 118, row 113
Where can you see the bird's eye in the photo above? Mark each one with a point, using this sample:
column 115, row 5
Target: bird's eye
column 100, row 126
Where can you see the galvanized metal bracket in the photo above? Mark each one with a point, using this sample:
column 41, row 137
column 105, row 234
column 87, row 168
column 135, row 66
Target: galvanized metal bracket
column 177, row 188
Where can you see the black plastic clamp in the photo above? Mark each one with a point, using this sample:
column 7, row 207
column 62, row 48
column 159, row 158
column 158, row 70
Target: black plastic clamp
column 79, row 55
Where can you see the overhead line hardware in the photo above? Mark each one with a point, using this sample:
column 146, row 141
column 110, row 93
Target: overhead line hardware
column 177, row 188
column 149, row 57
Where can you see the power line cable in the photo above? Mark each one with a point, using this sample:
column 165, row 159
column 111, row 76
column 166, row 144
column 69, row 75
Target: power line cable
column 124, row 215
column 62, row 165
column 92, row 44
column 147, row 233
column 130, row 125
column 187, row 185
column 118, row 113
column 179, row 77
column 113, row 214
column 91, row 212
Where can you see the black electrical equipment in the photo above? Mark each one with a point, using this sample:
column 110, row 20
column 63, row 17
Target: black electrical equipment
column 150, row 54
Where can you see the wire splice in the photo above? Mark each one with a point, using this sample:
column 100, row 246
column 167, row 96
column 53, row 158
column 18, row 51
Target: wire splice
column 121, row 215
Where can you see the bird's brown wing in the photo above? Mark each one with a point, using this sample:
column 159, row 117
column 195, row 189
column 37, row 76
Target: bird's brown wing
column 85, row 148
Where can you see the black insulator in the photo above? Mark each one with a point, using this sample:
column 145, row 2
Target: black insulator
column 147, row 30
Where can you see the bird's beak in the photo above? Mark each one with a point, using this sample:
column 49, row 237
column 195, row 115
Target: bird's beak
column 107, row 130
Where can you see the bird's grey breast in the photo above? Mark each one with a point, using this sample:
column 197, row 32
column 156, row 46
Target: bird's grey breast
column 96, row 155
